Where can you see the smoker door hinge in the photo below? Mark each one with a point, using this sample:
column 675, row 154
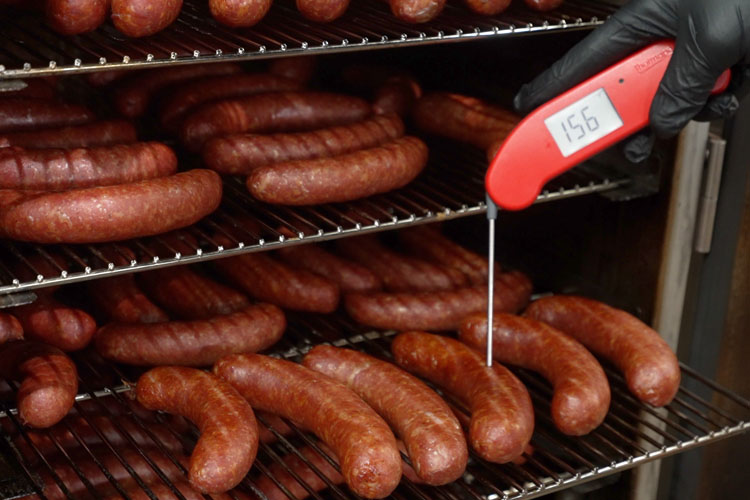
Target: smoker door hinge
column 704, row 230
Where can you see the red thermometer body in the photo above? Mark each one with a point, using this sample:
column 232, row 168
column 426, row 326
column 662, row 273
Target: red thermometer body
column 578, row 124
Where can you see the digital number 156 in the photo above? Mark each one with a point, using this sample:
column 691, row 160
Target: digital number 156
column 573, row 123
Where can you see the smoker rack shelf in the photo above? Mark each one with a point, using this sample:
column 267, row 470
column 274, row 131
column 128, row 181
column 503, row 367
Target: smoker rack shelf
column 631, row 435
column 30, row 48
column 452, row 186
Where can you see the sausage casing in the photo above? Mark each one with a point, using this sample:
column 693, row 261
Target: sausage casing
column 47, row 320
column 19, row 114
column 103, row 133
column 488, row 7
column 10, row 328
column 137, row 18
column 73, row 17
column 416, row 11
column 120, row 299
column 322, row 11
column 239, row 13
column 543, row 5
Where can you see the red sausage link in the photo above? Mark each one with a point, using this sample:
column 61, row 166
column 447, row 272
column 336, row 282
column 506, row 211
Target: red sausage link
column 341, row 178
column 229, row 433
column 307, row 474
column 104, row 133
column 239, row 13
column 463, row 118
column 417, row 11
column 430, row 431
column 49, row 381
column 502, row 418
column 10, row 328
column 73, row 17
column 243, row 153
column 270, row 280
column 400, row 273
column 137, row 18
column 47, row 320
column 193, row 93
column 437, row 310
column 581, row 390
column 297, row 68
column 543, row 5
column 271, row 112
column 650, row 367
column 398, row 94
column 370, row 461
column 132, row 96
column 60, row 169
column 429, row 244
column 110, row 213
column 120, row 299
column 20, row 113
column 322, row 11
column 189, row 295
column 192, row 343
column 487, row 7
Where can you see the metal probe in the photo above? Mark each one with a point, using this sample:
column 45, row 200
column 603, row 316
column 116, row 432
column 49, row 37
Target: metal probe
column 491, row 216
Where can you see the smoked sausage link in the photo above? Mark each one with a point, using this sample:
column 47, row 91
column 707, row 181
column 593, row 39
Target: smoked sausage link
column 73, row 17
column 229, row 433
column 110, row 213
column 543, row 5
column 366, row 447
column 137, row 18
column 49, row 381
column 20, row 113
column 10, row 328
column 192, row 343
column 581, row 390
column 502, row 418
column 103, row 133
column 651, row 369
column 431, row 433
column 47, row 320
column 239, row 13
column 120, row 299
column 417, row 11
column 322, row 11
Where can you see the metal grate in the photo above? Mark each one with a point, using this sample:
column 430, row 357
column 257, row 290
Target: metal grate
column 28, row 47
column 632, row 433
column 452, row 186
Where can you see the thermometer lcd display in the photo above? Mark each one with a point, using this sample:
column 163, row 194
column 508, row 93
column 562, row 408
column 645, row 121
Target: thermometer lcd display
column 583, row 122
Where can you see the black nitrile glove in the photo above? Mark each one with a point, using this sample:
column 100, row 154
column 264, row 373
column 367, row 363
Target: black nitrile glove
column 710, row 35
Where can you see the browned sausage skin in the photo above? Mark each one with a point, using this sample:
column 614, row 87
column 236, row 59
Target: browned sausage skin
column 543, row 5
column 50, row 321
column 488, row 7
column 137, row 18
column 49, row 381
column 104, row 133
column 502, row 418
column 581, row 390
column 650, row 367
column 192, row 343
column 322, row 11
column 73, row 17
column 239, row 13
column 416, row 11
column 229, row 433
column 297, row 68
column 10, row 328
column 120, row 299
column 370, row 461
column 430, row 431
column 21, row 113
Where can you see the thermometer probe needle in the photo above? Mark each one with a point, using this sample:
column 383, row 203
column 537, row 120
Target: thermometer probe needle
column 491, row 216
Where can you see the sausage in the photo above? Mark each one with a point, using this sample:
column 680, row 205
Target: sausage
column 110, row 213
column 10, row 328
column 35, row 88
column 487, row 7
column 271, row 112
column 50, row 321
column 437, row 310
column 189, row 295
column 342, row 178
column 104, row 133
column 322, row 11
column 195, row 92
column 397, row 95
column 242, row 153
column 350, row 277
column 370, row 462
column 429, row 244
column 297, row 68
column 463, row 118
column 73, row 17
column 228, row 442
column 22, row 113
column 49, row 381
column 651, row 369
column 138, row 18
column 59, row 169
column 121, row 300
column 191, row 343
column 430, row 431
column 132, row 96
column 543, row 5
column 581, row 391
column 400, row 273
column 239, row 13
column 502, row 418
column 270, row 280
column 162, row 491
column 417, row 11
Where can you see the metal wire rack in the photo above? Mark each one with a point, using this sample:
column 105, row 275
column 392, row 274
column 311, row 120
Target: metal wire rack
column 105, row 424
column 452, row 186
column 29, row 48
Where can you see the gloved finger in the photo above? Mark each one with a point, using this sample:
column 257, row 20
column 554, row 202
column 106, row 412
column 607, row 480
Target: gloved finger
column 638, row 147
column 638, row 23
column 727, row 103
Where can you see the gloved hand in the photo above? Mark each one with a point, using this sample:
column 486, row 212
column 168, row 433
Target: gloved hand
column 710, row 36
